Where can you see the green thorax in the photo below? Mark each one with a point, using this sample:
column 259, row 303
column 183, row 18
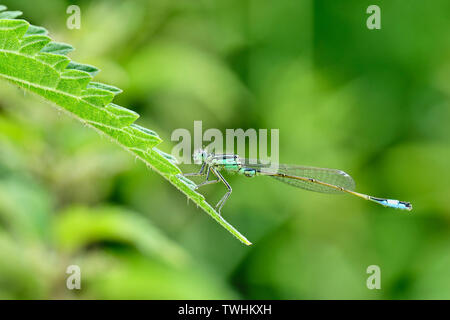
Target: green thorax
column 230, row 163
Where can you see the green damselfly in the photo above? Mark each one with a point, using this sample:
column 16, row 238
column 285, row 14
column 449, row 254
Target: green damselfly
column 309, row 178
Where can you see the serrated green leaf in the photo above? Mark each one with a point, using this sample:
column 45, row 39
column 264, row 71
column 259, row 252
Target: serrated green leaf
column 97, row 97
column 125, row 116
column 58, row 48
column 34, row 30
column 83, row 67
column 10, row 14
column 169, row 157
column 58, row 62
column 73, row 81
column 33, row 44
column 10, row 33
column 30, row 61
column 143, row 131
column 104, row 87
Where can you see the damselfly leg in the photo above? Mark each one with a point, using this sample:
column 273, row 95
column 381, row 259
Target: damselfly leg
column 220, row 178
column 207, row 181
column 196, row 174
column 222, row 201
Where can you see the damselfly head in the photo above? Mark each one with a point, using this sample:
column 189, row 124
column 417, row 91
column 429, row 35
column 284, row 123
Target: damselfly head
column 199, row 155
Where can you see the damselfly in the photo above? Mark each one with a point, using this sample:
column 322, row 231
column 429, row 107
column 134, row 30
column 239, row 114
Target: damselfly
column 308, row 178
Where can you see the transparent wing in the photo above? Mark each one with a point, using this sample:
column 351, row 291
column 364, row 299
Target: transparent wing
column 332, row 177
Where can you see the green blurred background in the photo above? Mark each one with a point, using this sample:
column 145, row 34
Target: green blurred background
column 372, row 103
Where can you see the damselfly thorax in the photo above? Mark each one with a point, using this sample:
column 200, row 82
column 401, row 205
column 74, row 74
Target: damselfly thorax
column 231, row 163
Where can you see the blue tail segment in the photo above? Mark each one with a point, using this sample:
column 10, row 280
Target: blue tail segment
column 402, row 205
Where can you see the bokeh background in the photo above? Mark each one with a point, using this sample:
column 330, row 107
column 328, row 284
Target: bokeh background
column 372, row 103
